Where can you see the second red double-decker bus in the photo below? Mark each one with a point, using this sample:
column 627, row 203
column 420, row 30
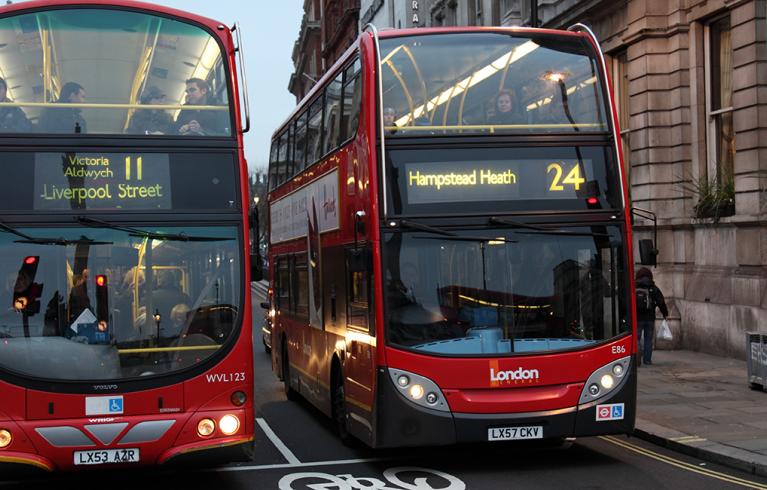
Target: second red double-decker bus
column 450, row 241
column 125, row 327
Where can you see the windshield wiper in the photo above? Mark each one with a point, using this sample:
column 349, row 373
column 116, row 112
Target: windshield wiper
column 136, row 232
column 540, row 229
column 49, row 240
column 405, row 223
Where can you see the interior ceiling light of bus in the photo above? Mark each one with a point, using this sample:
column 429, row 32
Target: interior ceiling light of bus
column 205, row 63
column 547, row 100
column 478, row 76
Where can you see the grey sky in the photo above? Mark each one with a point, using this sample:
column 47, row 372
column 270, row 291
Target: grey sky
column 269, row 29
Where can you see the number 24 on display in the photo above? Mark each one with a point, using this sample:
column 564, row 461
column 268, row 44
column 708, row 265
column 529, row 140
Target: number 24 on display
column 573, row 177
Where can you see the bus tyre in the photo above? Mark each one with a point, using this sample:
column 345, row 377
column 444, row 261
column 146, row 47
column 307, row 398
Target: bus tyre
column 290, row 393
column 340, row 412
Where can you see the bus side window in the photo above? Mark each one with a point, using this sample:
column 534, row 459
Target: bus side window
column 333, row 114
column 358, row 267
column 351, row 101
column 283, row 285
column 273, row 159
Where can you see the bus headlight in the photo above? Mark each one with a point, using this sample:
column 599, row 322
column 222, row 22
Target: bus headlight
column 229, row 424
column 605, row 380
column 419, row 390
column 206, row 427
column 416, row 392
column 5, row 438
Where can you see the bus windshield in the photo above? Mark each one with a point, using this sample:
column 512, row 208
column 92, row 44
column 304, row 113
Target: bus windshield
column 102, row 71
column 503, row 291
column 101, row 302
column 490, row 83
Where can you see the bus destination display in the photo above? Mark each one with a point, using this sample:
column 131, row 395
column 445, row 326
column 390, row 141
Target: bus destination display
column 66, row 181
column 438, row 182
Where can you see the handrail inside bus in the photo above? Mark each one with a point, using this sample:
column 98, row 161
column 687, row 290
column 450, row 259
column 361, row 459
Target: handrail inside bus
column 580, row 27
column 382, row 134
column 94, row 105
column 168, row 349
column 244, row 84
column 492, row 127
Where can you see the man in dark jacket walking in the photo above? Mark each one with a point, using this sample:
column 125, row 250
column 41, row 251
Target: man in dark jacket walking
column 648, row 297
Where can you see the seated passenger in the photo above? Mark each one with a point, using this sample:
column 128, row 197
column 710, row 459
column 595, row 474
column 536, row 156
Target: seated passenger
column 151, row 121
column 196, row 122
column 389, row 116
column 178, row 320
column 65, row 120
column 505, row 112
column 12, row 119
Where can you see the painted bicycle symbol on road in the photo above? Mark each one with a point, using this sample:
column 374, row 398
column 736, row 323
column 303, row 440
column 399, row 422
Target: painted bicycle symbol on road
column 399, row 478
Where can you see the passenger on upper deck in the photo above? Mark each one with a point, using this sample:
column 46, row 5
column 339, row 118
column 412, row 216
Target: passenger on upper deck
column 65, row 120
column 151, row 121
column 505, row 112
column 196, row 122
column 12, row 119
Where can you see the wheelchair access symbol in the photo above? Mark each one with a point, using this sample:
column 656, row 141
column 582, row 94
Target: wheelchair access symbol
column 115, row 405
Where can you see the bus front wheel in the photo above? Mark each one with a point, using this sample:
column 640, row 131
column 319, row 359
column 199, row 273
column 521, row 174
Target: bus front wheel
column 290, row 393
column 340, row 411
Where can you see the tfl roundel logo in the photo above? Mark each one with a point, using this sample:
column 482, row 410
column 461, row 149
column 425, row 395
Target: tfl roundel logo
column 610, row 412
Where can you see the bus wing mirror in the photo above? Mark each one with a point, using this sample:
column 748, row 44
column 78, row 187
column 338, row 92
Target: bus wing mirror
column 256, row 271
column 265, row 305
column 648, row 254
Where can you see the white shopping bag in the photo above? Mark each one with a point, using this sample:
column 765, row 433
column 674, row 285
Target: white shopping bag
column 664, row 332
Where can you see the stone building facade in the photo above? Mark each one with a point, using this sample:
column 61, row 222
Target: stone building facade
column 328, row 28
column 690, row 85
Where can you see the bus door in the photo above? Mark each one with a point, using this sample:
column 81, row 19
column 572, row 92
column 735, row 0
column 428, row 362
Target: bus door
column 360, row 339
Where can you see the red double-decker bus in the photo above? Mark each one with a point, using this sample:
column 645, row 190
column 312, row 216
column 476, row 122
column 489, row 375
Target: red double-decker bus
column 125, row 335
column 450, row 241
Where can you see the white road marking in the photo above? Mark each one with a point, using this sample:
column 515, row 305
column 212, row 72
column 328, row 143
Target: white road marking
column 281, row 447
column 297, row 465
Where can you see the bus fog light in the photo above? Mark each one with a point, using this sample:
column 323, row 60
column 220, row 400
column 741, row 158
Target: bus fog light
column 618, row 370
column 416, row 392
column 238, row 398
column 205, row 427
column 5, row 438
column 432, row 398
column 594, row 389
column 229, row 424
column 403, row 381
column 607, row 381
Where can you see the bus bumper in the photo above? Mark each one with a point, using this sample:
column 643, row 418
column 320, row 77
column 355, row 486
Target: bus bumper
column 402, row 423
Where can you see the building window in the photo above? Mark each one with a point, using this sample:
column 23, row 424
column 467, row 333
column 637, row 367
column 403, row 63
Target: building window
column 719, row 111
column 620, row 77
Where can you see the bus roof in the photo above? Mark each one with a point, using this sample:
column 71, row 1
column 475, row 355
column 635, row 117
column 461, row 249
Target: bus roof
column 420, row 31
column 44, row 4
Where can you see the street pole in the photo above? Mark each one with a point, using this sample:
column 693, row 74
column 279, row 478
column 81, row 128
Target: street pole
column 534, row 13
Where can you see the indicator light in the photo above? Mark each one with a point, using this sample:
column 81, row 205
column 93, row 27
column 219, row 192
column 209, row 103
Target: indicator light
column 618, row 370
column 594, row 389
column 30, row 260
column 403, row 381
column 101, row 280
column 238, row 398
column 432, row 398
column 592, row 201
